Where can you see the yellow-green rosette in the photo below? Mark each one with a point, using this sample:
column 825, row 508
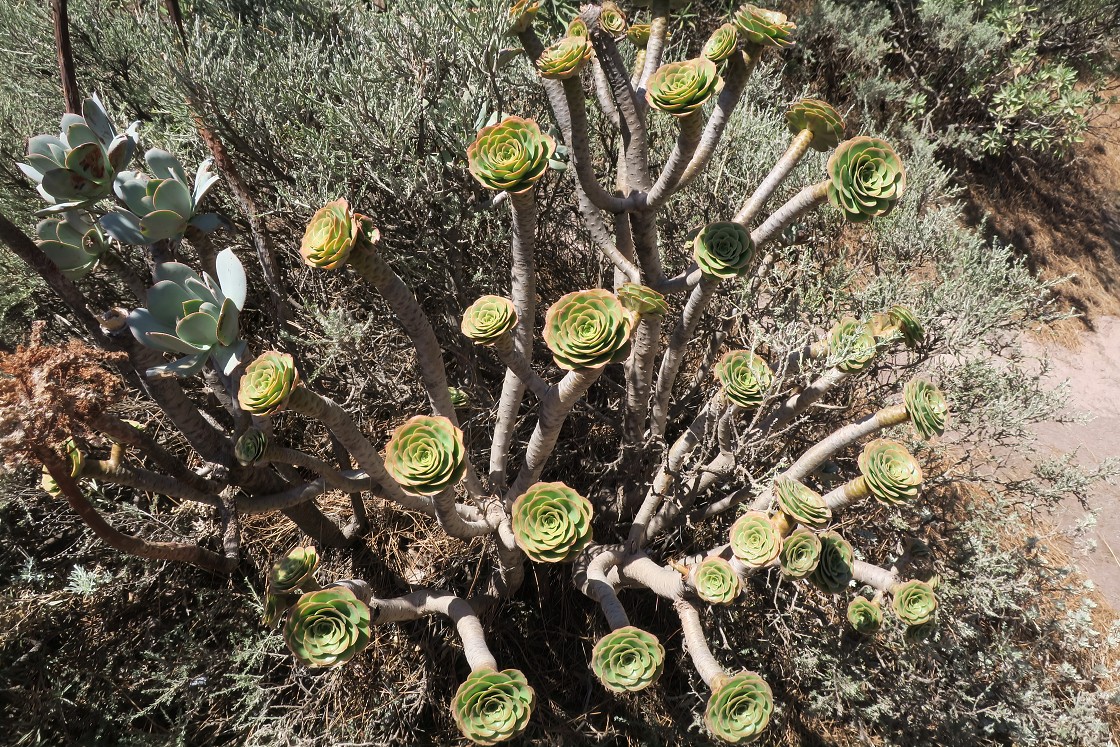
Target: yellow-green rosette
column 866, row 177
column 723, row 249
column 890, row 471
column 330, row 236
column 510, row 156
column 612, row 19
column 77, row 462
column 819, row 118
column 250, row 447
column 628, row 660
column 800, row 553
column 268, row 382
column 903, row 321
column 739, row 708
column 926, row 406
column 767, row 28
column 488, row 318
column 801, row 503
column 551, row 522
column 745, row 377
column 915, row 602
column 290, row 574
column 853, row 343
column 521, row 14
column 754, row 539
column 865, row 615
column 715, row 581
column 328, row 627
column 565, row 58
column 722, row 43
column 638, row 34
column 578, row 27
column 492, row 706
column 834, row 566
column 681, row 88
column 642, row 300
column 588, row 329
column 425, row 455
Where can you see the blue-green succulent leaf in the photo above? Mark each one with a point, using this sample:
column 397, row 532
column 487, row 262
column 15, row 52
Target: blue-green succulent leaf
column 208, row 222
column 123, row 226
column 98, row 119
column 231, row 277
column 227, row 323
column 187, row 366
column 199, row 329
column 162, row 224
column 166, row 301
column 164, row 165
column 228, row 358
column 176, row 272
column 174, row 196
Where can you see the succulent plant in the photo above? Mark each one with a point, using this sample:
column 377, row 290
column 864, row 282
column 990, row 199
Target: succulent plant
column 800, row 553
column 77, row 461
column 511, row 155
column 642, row 299
column 816, row 116
column 194, row 316
column 834, row 567
column 722, row 43
column 681, row 88
column 71, row 242
column 865, row 615
column 739, row 708
column 902, row 321
column 77, row 168
column 521, row 14
column 564, row 58
column 926, row 406
column 459, row 398
column 715, row 581
column 745, row 377
column 764, row 27
column 891, row 473
column 723, row 249
column 801, row 503
column 551, row 522
column 588, row 329
column 332, row 233
column 326, row 628
column 628, row 659
column 754, row 539
column 853, row 342
column 492, row 706
column 866, row 178
column 915, row 602
column 267, row 383
column 915, row 634
column 425, row 455
column 638, row 34
column 577, row 27
column 488, row 318
column 250, row 447
column 162, row 207
column 612, row 19
column 296, row 570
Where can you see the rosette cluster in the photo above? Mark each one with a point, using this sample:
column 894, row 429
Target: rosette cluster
column 564, row 58
column 890, row 471
column 459, row 398
column 425, row 455
column 801, row 503
column 638, row 34
column 834, row 566
column 612, row 19
column 739, row 708
column 767, row 28
column 723, row 249
column 72, row 243
column 488, row 318
column 800, row 552
column 715, row 581
column 926, row 406
column 628, row 660
column 865, row 615
column 510, row 156
column 853, row 343
column 327, row 627
column 250, row 447
column 681, row 88
column 866, row 178
column 588, row 329
column 551, row 522
column 915, row 602
column 745, row 377
column 754, row 539
column 818, row 118
column 332, row 233
column 163, row 207
column 492, row 706
column 722, row 43
column 268, row 382
column 296, row 570
column 642, row 299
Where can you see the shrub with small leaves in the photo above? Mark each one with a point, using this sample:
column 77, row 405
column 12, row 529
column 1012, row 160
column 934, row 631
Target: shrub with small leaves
column 492, row 706
column 551, row 522
column 628, row 659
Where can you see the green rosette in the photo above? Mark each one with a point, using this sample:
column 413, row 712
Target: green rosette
column 510, row 156
column 425, row 455
column 521, row 14
column 327, row 628
column 296, row 570
column 834, row 567
column 578, row 27
column 330, row 236
column 715, row 581
column 492, row 706
column 459, row 398
column 926, row 406
column 722, row 43
column 866, row 178
column 915, row 602
column 681, row 88
column 767, row 28
column 250, row 447
column 488, row 318
column 267, row 383
column 800, row 553
column 915, row 634
column 723, row 249
column 745, row 377
column 905, row 320
column 816, row 116
column 628, row 660
column 865, row 615
column 739, row 708
column 612, row 19
column 642, row 299
column 853, row 342
column 77, row 462
column 638, row 34
column 565, row 58
column 891, row 473
column 801, row 503
column 588, row 329
column 754, row 539
column 551, row 522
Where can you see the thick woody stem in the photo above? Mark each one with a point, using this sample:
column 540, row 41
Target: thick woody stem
column 706, row 665
column 644, row 227
column 601, row 237
column 447, row 515
column 639, row 375
column 515, row 361
column 433, row 602
column 802, row 401
column 122, row 432
column 655, row 47
column 640, row 570
column 807, row 199
column 334, row 477
column 793, row 155
column 603, row 93
column 691, row 127
column 70, row 91
column 671, row 361
column 511, row 562
column 142, row 479
column 878, row 578
column 592, row 581
column 581, row 151
column 847, row 494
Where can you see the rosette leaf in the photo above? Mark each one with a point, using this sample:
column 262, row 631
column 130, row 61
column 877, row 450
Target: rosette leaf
column 891, row 473
column 565, row 58
column 767, row 28
column 628, row 660
column 296, row 570
column 521, row 14
column 72, row 243
column 491, row 706
column 801, row 503
column 588, row 329
column 834, row 567
column 715, row 581
column 739, row 708
column 510, row 156
column 488, row 318
column 77, row 461
column 745, row 377
column 331, row 234
column 722, row 43
column 902, row 320
column 642, row 300
column 817, row 117
column 926, row 406
column 250, row 447
column 723, row 249
column 866, row 178
column 800, row 553
column 326, row 628
column 459, row 398
column 551, row 522
column 865, row 615
column 853, row 343
column 267, row 383
column 425, row 455
column 681, row 88
column 162, row 207
column 915, row 602
column 754, row 539
column 612, row 19
column 638, row 34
